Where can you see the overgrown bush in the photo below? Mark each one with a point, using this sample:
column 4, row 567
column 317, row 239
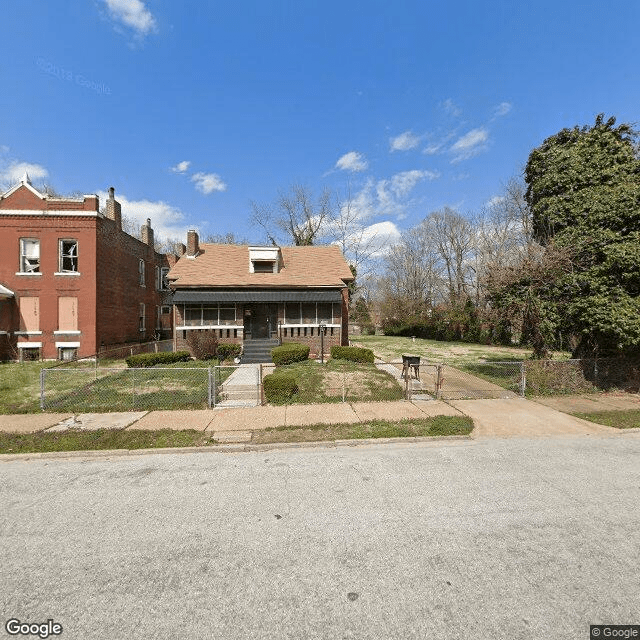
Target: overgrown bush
column 355, row 354
column 228, row 351
column 546, row 377
column 279, row 388
column 151, row 359
column 203, row 343
column 290, row 352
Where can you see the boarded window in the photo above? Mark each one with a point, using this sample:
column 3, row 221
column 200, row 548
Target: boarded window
column 67, row 314
column 263, row 266
column 29, row 314
column 141, row 278
column 29, row 255
column 141, row 317
column 68, row 256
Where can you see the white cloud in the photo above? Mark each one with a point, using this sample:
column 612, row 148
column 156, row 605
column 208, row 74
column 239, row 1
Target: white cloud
column 405, row 141
column 352, row 161
column 167, row 221
column 470, row 144
column 208, row 182
column 380, row 237
column 387, row 197
column 133, row 14
column 451, row 108
column 12, row 173
column 432, row 149
column 181, row 167
column 492, row 202
column 502, row 109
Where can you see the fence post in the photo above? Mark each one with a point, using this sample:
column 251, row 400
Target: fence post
column 209, row 383
column 344, row 391
column 214, row 389
column 523, row 379
column 133, row 388
column 439, row 381
column 260, row 387
column 42, row 389
column 595, row 371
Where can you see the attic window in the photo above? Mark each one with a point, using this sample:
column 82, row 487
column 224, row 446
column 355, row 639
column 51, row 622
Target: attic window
column 264, row 266
column 264, row 259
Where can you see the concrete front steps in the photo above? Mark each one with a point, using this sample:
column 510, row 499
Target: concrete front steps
column 257, row 351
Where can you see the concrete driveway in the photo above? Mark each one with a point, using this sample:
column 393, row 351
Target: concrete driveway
column 521, row 417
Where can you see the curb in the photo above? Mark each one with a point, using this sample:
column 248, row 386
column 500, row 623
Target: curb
column 225, row 448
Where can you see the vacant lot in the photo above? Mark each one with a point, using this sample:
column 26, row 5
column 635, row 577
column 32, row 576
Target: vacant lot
column 391, row 348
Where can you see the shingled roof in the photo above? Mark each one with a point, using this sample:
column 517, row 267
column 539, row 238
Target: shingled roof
column 226, row 265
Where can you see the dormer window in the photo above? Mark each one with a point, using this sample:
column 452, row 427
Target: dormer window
column 264, row 259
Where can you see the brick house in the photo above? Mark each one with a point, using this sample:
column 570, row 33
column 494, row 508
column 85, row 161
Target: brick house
column 251, row 294
column 72, row 281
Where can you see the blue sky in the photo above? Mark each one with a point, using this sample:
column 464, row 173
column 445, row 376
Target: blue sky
column 193, row 109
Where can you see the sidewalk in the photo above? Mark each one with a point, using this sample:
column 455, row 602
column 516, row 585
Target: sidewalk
column 492, row 417
column 238, row 421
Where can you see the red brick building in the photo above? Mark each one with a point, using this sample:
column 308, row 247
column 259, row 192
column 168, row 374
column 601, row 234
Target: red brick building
column 72, row 282
column 250, row 294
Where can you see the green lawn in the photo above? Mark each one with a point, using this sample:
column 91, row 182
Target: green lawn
column 407, row 428
column 623, row 419
column 80, row 387
column 341, row 379
column 100, row 439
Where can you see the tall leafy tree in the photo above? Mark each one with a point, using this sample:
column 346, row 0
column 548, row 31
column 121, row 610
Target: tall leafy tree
column 583, row 189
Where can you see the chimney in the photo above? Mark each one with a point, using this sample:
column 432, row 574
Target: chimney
column 146, row 233
column 193, row 247
column 114, row 211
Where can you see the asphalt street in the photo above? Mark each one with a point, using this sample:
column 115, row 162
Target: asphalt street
column 516, row 538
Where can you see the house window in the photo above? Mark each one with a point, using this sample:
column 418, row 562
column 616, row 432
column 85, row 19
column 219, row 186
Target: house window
column 29, row 314
column 29, row 255
column 67, row 354
column 325, row 312
column 166, row 309
column 141, row 279
column 29, row 354
column 158, row 317
column 163, row 283
column 67, row 314
column 292, row 312
column 264, row 266
column 141, row 317
column 68, row 256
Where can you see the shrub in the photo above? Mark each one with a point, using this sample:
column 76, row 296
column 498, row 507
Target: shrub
column 290, row 352
column 203, row 343
column 151, row 359
column 228, row 351
column 279, row 388
column 355, row 354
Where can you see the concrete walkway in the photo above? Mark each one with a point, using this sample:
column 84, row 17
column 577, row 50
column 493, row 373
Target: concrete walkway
column 241, row 388
column 492, row 417
column 521, row 417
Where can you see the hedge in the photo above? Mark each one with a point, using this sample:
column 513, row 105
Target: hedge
column 279, row 388
column 228, row 351
column 290, row 352
column 356, row 354
column 151, row 359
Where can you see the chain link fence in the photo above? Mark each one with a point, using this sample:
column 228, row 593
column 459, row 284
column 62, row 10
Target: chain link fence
column 88, row 390
column 85, row 388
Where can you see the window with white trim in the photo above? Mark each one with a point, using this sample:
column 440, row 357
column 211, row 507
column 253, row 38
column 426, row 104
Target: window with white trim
column 141, row 279
column 161, row 275
column 29, row 255
column 67, row 354
column 68, row 256
column 141, row 317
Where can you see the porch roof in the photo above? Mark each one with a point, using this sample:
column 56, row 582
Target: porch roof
column 274, row 295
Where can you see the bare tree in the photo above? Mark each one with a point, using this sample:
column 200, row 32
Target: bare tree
column 227, row 238
column 295, row 216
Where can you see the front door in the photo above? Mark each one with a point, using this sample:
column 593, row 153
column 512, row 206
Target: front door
column 263, row 320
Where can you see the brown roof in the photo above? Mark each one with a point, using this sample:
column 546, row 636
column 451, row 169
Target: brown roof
column 227, row 265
